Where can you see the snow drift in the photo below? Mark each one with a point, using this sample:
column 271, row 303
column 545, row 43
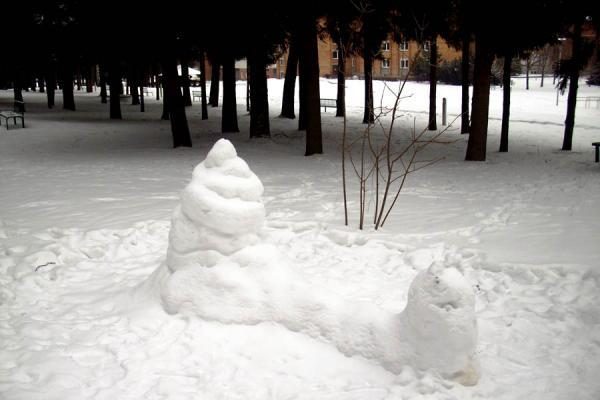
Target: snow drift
column 217, row 269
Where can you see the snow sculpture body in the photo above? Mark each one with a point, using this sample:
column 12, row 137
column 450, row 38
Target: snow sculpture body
column 219, row 269
column 221, row 211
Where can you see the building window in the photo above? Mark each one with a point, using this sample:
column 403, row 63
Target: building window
column 426, row 46
column 385, row 45
column 404, row 45
column 282, row 61
column 281, row 75
column 334, row 54
column 385, row 63
column 404, row 63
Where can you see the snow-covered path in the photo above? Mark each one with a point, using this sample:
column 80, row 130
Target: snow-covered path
column 86, row 205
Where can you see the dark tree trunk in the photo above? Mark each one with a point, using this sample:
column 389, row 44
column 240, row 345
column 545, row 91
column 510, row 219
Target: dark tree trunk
column 505, row 103
column 341, row 82
column 176, row 106
column 41, row 84
column 213, row 98
column 103, row 94
column 165, row 111
column 259, row 112
column 185, row 82
column 51, row 85
column 464, row 118
column 433, row 60
column 527, row 67
column 573, row 86
column 476, row 147
column 78, row 78
column 248, row 85
column 135, row 95
column 543, row 61
column 142, row 102
column 309, row 72
column 302, row 99
column 369, row 113
column 18, row 94
column 229, row 122
column 90, row 80
column 157, row 83
column 289, row 84
column 116, row 85
column 203, row 85
column 67, row 89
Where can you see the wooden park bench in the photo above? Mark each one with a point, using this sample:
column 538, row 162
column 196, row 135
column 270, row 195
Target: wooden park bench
column 17, row 113
column 196, row 94
column 597, row 145
column 331, row 103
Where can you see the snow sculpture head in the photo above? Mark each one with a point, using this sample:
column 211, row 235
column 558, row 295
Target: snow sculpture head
column 441, row 324
column 221, row 210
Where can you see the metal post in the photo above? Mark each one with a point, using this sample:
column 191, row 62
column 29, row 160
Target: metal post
column 444, row 111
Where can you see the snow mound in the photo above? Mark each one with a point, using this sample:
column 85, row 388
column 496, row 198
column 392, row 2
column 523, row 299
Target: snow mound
column 440, row 325
column 220, row 213
column 218, row 270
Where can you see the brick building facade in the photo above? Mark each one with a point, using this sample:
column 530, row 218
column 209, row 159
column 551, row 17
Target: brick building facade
column 392, row 62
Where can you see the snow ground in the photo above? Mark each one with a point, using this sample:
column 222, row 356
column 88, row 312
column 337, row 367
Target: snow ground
column 86, row 209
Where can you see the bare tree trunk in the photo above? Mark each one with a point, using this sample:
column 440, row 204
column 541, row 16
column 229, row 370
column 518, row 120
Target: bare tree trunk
column 476, row 147
column 176, row 106
column 51, row 84
column 464, row 118
column 213, row 98
column 229, row 122
column 289, row 85
column 527, row 67
column 116, row 85
column 78, row 77
column 573, row 86
column 302, row 101
column 248, row 86
column 433, row 60
column 41, row 83
column 185, row 80
column 135, row 95
column 259, row 112
column 341, row 82
column 505, row 103
column 141, row 82
column 369, row 113
column 157, row 85
column 543, row 62
column 18, row 92
column 68, row 96
column 203, row 85
column 309, row 70
column 103, row 94
column 90, row 79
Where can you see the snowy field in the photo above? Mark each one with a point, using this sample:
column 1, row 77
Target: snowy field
column 86, row 208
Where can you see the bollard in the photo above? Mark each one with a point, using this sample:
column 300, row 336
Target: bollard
column 444, row 111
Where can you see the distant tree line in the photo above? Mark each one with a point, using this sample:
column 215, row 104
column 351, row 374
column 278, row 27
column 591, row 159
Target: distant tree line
column 62, row 44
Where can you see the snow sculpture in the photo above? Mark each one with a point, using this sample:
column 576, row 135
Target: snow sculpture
column 220, row 213
column 219, row 269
